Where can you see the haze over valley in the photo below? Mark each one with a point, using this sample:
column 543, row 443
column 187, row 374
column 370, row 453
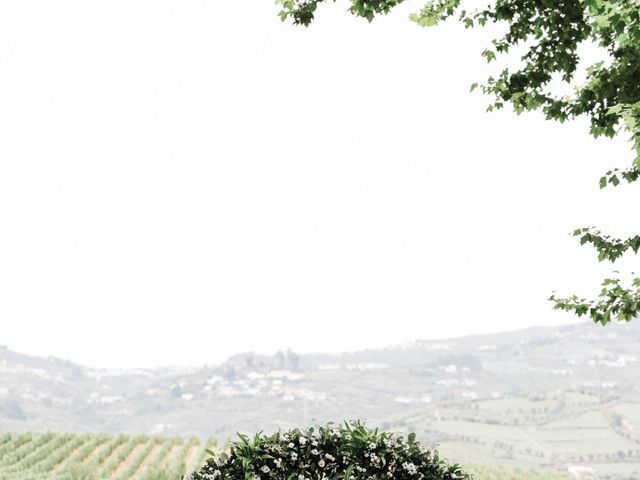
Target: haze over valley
column 552, row 397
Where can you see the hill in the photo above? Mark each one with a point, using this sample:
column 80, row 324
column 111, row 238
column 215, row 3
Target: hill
column 563, row 398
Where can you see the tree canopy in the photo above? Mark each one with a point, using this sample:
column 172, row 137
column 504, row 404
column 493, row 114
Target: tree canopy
column 552, row 32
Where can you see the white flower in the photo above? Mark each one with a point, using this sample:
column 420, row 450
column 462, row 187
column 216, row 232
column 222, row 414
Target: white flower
column 265, row 469
column 321, row 463
column 410, row 467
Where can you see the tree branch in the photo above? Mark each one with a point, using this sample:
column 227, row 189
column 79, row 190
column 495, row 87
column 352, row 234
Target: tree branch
column 614, row 302
column 608, row 248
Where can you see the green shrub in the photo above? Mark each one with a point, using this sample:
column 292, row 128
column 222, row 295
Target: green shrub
column 348, row 452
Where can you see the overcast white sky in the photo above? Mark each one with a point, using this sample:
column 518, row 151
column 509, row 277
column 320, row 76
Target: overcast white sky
column 180, row 181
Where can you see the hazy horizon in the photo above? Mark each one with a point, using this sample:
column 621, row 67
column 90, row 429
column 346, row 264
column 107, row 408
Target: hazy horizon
column 328, row 351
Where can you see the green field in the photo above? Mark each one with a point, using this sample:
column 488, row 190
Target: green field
column 56, row 456
column 563, row 432
column 49, row 456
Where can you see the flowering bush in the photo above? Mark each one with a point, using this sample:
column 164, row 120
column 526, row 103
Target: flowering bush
column 348, row 452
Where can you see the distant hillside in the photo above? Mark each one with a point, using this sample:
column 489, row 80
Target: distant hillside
column 566, row 398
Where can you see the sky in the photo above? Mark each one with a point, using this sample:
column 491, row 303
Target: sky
column 181, row 181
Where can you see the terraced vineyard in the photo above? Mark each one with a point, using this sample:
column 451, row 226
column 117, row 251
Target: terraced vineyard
column 49, row 456
column 53, row 456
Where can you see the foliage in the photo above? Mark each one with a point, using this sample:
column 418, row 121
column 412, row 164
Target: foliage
column 608, row 248
column 614, row 302
column 551, row 33
column 350, row 452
